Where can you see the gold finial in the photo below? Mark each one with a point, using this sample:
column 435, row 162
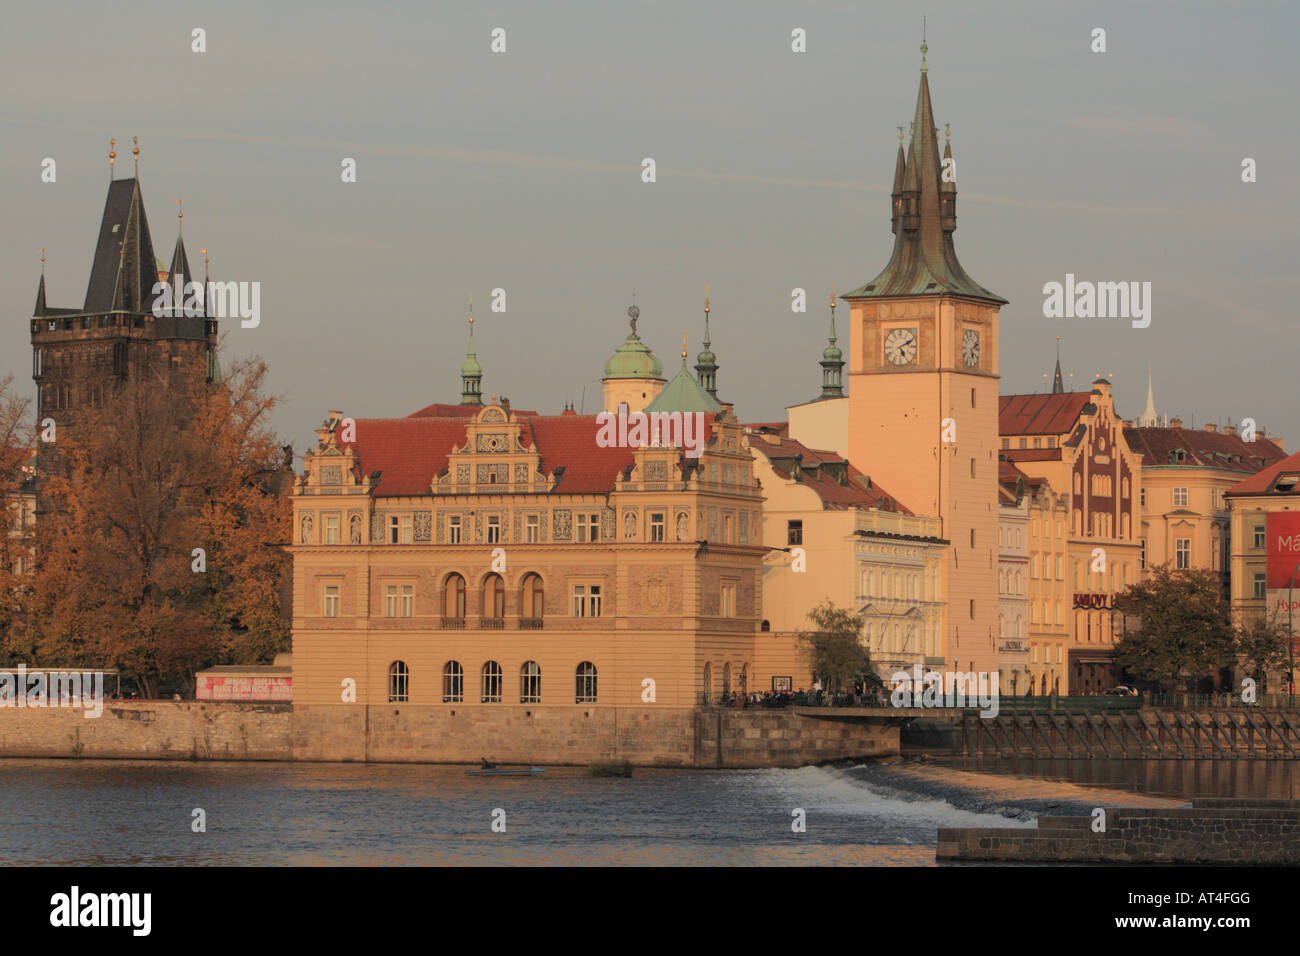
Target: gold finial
column 706, row 298
column 947, row 131
column 42, row 263
column 683, row 345
column 900, row 136
column 112, row 156
column 833, row 298
column 471, row 310
column 204, row 254
column 135, row 151
column 924, row 47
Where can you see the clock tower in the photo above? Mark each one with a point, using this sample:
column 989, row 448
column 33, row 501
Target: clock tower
column 923, row 389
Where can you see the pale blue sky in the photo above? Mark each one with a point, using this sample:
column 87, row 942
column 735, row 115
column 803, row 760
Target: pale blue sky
column 522, row 171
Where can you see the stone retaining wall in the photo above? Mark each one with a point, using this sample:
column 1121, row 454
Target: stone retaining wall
column 1219, row 832
column 398, row 733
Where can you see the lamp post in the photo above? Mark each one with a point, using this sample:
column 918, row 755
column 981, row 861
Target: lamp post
column 1290, row 638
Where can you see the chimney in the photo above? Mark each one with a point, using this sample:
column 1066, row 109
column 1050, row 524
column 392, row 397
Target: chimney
column 1175, row 423
column 1229, row 429
column 1211, row 427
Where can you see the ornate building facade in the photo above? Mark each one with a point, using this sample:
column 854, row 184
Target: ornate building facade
column 476, row 556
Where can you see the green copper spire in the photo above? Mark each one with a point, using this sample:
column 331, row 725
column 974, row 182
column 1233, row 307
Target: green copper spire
column 471, row 373
column 706, row 367
column 832, row 362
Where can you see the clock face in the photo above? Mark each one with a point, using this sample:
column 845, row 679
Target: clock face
column 970, row 348
column 900, row 346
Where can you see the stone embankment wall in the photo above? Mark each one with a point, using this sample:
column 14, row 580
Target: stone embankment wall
column 150, row 730
column 397, row 733
column 1210, row 832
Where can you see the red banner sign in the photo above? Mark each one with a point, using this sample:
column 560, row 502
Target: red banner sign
column 1282, row 549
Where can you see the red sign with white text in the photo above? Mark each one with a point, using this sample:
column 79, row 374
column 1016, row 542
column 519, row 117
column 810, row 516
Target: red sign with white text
column 1282, row 549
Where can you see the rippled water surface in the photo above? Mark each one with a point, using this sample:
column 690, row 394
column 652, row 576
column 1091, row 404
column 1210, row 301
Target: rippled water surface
column 140, row 812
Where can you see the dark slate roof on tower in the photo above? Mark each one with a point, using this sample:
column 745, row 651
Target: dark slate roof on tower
column 40, row 298
column 123, row 272
column 180, row 264
column 924, row 261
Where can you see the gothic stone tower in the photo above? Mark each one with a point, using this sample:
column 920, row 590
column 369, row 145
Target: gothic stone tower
column 80, row 356
column 923, row 388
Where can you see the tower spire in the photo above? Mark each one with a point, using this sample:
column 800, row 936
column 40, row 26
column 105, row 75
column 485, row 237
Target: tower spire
column 832, row 362
column 40, row 289
column 471, row 373
column 1058, row 383
column 706, row 363
column 924, row 260
column 1149, row 417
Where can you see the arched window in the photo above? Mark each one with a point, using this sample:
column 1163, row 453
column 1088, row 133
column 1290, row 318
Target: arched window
column 532, row 599
column 708, row 682
column 453, row 683
column 399, row 682
column 765, row 627
column 585, row 679
column 1002, row 625
column 453, row 606
column 494, row 598
column 530, row 683
column 744, row 680
column 726, row 680
column 491, row 683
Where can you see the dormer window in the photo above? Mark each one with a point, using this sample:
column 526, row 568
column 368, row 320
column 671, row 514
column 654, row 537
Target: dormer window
column 1286, row 483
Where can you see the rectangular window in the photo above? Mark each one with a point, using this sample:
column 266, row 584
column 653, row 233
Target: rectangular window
column 588, row 527
column 494, row 529
column 1051, row 443
column 399, row 529
column 1038, row 443
column 1024, row 443
column 1260, row 580
column 1142, row 554
column 408, row 600
column 1259, row 536
column 794, row 532
column 331, row 600
column 1060, row 567
column 656, row 526
column 1144, row 497
column 586, row 600
column 532, row 527
column 972, row 467
column 390, row 600
column 453, row 529
column 331, row 529
column 1182, row 552
column 728, row 600
column 972, row 608
column 1180, row 497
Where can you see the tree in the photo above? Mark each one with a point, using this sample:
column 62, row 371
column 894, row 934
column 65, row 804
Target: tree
column 158, row 546
column 1184, row 630
column 834, row 648
column 16, row 443
column 1262, row 647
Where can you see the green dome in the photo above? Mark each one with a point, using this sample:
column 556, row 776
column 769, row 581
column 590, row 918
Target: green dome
column 633, row 359
column 706, row 358
column 832, row 354
column 471, row 367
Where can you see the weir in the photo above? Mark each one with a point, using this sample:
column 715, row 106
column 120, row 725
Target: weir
column 1146, row 733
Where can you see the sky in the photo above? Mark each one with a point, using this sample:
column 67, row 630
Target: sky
column 522, row 170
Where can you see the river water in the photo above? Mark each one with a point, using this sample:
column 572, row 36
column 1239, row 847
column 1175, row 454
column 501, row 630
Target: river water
column 141, row 812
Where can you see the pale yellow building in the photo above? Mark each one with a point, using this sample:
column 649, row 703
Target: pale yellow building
column 835, row 535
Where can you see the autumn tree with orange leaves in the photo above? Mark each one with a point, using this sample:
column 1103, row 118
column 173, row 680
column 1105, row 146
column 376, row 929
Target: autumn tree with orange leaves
column 159, row 544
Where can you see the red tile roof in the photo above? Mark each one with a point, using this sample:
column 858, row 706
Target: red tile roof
column 1203, row 448
column 410, row 452
column 569, row 442
column 820, row 470
column 1040, row 414
column 1261, row 483
column 442, row 410
column 1031, row 454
